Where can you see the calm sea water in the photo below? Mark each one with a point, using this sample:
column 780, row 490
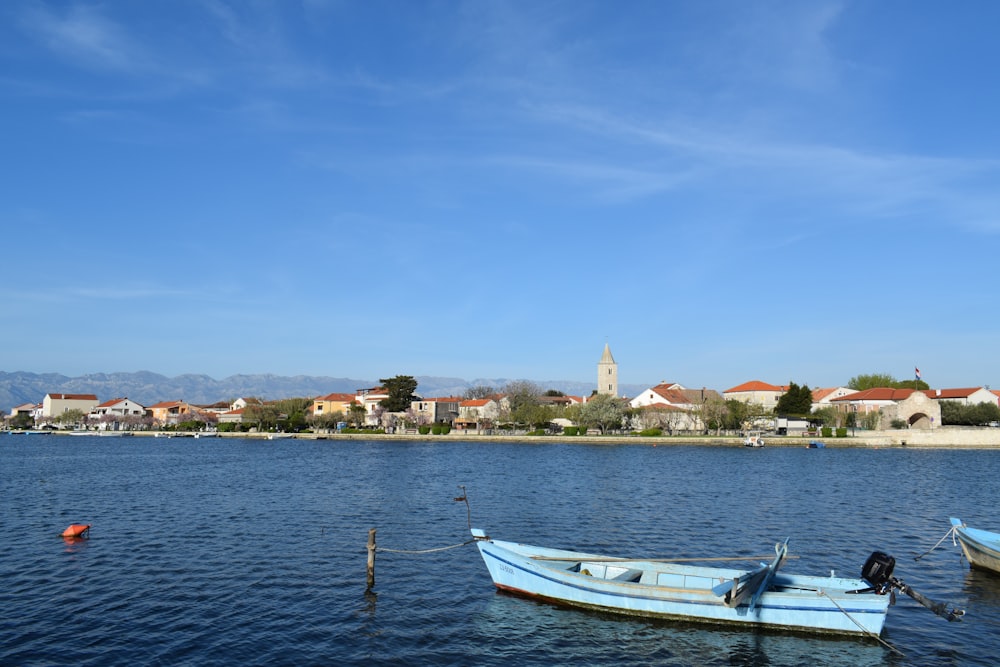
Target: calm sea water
column 247, row 552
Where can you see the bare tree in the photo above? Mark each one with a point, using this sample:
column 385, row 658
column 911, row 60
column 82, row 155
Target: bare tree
column 480, row 391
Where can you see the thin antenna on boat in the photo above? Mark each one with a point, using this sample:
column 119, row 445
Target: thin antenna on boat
column 465, row 498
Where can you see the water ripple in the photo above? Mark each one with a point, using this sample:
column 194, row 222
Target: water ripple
column 244, row 552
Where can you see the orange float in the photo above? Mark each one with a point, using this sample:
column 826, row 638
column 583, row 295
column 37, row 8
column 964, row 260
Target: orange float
column 76, row 530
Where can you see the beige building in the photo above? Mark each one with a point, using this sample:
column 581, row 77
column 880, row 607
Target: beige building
column 54, row 405
column 172, row 412
column 757, row 392
column 332, row 403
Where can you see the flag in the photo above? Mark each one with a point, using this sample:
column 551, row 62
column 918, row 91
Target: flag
column 917, row 371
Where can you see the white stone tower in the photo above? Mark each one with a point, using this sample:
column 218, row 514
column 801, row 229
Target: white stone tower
column 607, row 374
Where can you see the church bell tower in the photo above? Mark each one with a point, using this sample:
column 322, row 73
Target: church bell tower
column 607, row 374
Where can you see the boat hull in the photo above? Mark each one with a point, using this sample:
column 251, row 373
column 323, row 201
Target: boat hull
column 981, row 547
column 682, row 592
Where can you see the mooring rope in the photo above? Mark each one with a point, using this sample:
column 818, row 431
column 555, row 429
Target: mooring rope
column 950, row 533
column 861, row 627
column 423, row 551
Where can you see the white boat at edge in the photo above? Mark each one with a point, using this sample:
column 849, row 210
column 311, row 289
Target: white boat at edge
column 981, row 547
column 761, row 596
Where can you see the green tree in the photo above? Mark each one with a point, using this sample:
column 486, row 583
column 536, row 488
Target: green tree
column 534, row 415
column 263, row 416
column 919, row 385
column 603, row 411
column 325, row 421
column 954, row 413
column 736, row 416
column 22, row 422
column 712, row 413
column 871, row 381
column 522, row 399
column 72, row 417
column 829, row 416
column 796, row 401
column 401, row 392
column 876, row 380
column 357, row 414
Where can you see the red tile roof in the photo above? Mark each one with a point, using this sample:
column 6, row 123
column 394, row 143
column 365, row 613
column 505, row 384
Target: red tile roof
column 113, row 401
column 337, row 398
column 756, row 385
column 890, row 394
column 674, row 396
column 166, row 404
column 73, row 397
column 820, row 394
column 963, row 392
column 877, row 394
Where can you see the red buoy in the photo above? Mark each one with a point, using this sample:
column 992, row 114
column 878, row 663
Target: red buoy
column 76, row 530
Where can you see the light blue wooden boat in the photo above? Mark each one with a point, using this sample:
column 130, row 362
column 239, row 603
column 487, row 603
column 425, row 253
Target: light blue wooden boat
column 673, row 589
column 981, row 547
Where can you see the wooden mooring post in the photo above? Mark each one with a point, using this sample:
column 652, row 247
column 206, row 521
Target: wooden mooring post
column 371, row 559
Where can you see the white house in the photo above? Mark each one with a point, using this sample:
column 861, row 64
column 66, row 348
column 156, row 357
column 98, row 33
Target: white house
column 965, row 396
column 665, row 393
column 474, row 412
column 369, row 399
column 117, row 407
column 823, row 398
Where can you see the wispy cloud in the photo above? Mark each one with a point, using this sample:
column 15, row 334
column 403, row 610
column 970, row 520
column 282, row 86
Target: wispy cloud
column 139, row 293
column 859, row 179
column 82, row 35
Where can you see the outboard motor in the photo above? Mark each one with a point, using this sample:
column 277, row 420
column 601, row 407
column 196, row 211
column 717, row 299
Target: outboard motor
column 877, row 573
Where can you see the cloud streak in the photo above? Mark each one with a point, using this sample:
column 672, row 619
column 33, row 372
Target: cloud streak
column 82, row 35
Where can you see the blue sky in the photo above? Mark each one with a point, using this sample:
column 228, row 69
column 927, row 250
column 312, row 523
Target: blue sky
column 722, row 191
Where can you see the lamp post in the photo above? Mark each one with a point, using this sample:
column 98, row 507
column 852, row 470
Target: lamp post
column 854, row 422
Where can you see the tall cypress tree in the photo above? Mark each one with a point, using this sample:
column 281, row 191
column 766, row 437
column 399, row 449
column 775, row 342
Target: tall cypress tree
column 796, row 401
column 401, row 393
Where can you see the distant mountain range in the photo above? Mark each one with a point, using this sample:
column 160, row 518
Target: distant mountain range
column 149, row 388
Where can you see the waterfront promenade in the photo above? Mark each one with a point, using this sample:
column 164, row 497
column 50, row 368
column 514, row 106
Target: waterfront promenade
column 939, row 438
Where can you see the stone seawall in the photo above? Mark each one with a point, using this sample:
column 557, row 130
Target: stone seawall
column 946, row 437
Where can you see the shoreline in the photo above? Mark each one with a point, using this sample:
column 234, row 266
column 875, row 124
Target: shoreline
column 940, row 438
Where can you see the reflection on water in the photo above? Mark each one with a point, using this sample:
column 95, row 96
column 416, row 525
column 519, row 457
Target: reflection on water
column 584, row 635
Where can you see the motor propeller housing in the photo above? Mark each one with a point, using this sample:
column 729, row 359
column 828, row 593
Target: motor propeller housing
column 877, row 571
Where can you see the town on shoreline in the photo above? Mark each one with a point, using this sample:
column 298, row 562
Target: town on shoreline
column 874, row 410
